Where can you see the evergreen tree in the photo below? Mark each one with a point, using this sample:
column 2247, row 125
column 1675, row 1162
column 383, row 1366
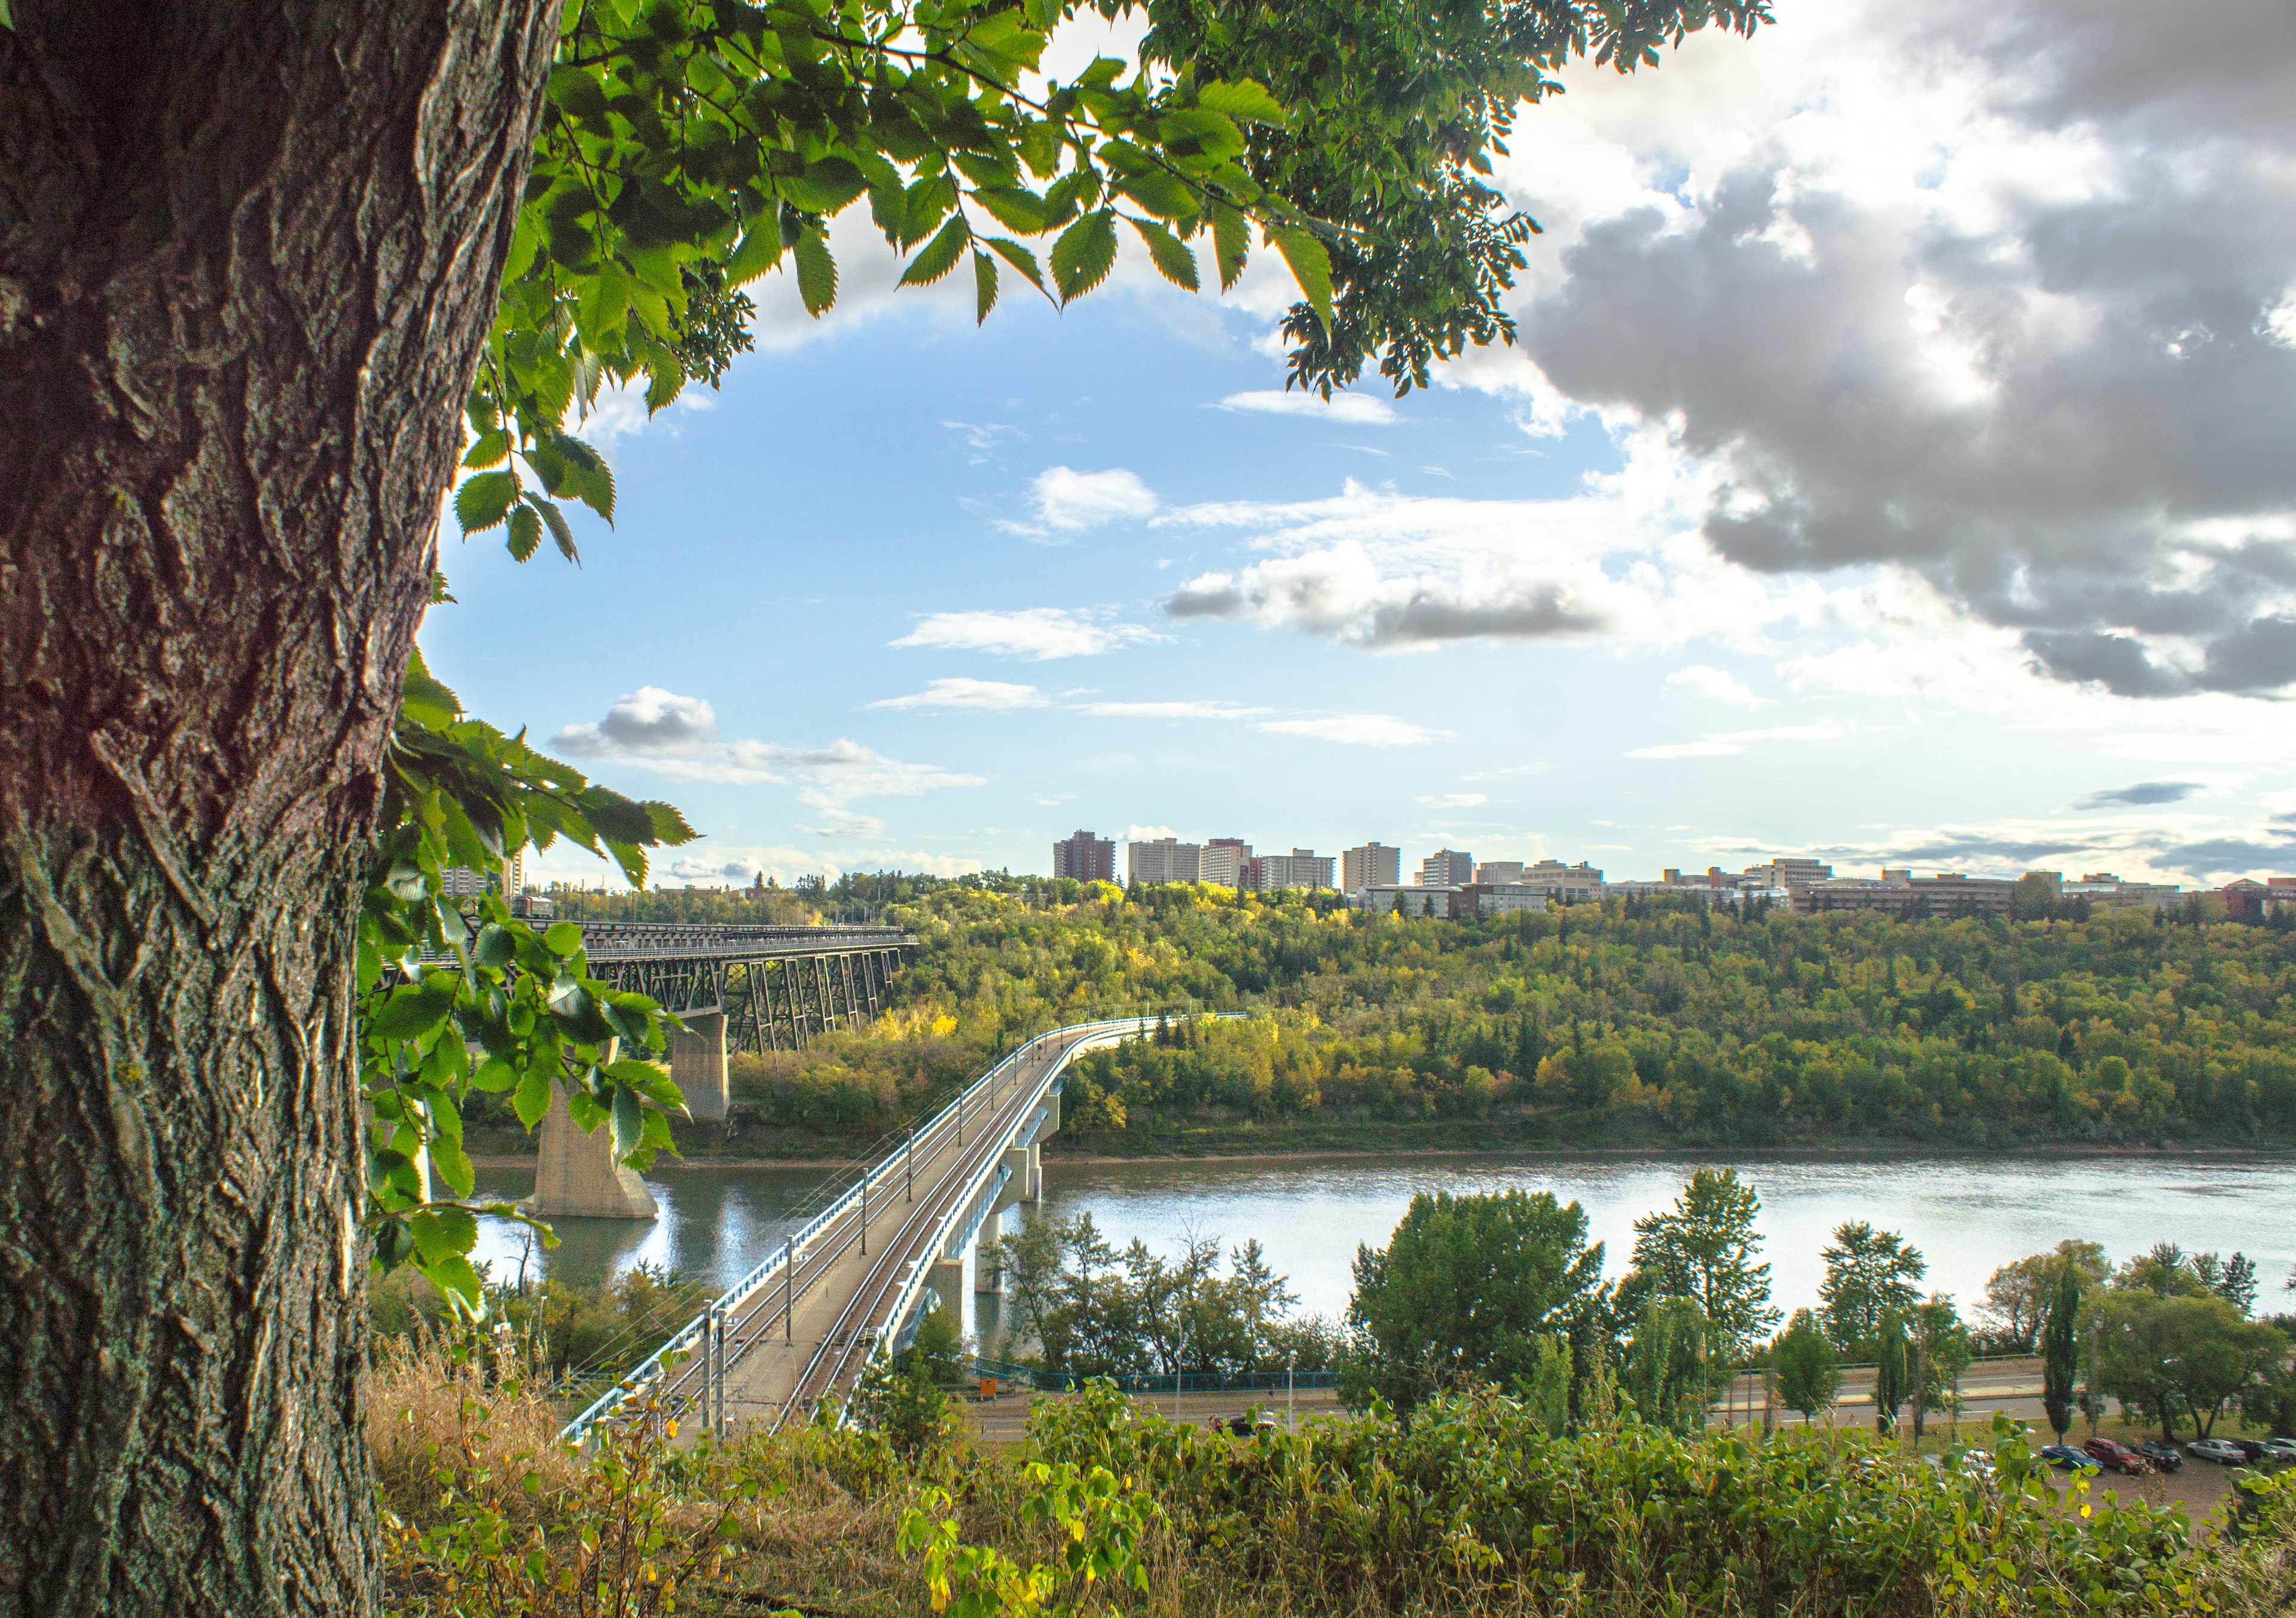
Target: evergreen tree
column 2059, row 1359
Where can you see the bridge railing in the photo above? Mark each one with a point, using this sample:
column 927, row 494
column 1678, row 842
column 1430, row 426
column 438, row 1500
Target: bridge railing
column 846, row 1194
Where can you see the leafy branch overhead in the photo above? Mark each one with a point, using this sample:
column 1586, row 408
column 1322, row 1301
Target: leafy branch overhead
column 690, row 147
column 449, row 1004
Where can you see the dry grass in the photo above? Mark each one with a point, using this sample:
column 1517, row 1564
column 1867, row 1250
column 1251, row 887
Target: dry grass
column 819, row 1535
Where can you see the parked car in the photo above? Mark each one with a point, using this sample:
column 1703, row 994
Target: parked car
column 2222, row 1451
column 2116, row 1457
column 2281, row 1449
column 2162, row 1454
column 2250, row 1448
column 2067, row 1457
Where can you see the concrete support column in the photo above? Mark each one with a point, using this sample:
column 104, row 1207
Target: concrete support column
column 947, row 1279
column 576, row 1175
column 697, row 1062
column 987, row 1256
column 1034, row 1184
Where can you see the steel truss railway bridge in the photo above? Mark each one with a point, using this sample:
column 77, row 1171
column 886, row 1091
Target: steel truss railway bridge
column 747, row 989
column 776, row 987
column 799, row 1329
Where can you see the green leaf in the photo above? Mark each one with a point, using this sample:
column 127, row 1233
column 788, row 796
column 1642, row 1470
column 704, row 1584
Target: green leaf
column 759, row 249
column 984, row 284
column 1311, row 267
column 940, row 255
column 441, row 1234
column 1161, row 192
column 533, row 1097
column 816, row 273
column 1084, row 254
column 408, row 1013
column 555, row 521
column 1014, row 206
column 1245, row 98
column 488, row 449
column 484, row 499
column 562, row 939
column 629, row 1122
column 1172, row 257
column 1020, row 257
column 826, row 186
column 1231, row 243
column 525, row 532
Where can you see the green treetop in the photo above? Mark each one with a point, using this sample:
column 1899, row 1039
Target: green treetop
column 1704, row 1248
column 1869, row 1274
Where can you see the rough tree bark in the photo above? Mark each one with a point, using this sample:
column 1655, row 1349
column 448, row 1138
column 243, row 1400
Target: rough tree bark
column 248, row 256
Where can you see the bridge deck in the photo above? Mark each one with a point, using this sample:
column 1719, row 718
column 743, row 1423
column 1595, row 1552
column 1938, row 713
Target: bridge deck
column 773, row 1371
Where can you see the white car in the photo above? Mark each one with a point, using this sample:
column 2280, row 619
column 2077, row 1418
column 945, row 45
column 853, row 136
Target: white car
column 2218, row 1450
column 2281, row 1449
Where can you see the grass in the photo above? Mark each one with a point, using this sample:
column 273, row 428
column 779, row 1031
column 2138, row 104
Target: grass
column 1353, row 1521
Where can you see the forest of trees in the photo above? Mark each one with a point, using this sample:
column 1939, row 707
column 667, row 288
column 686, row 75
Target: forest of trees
column 1583, row 1023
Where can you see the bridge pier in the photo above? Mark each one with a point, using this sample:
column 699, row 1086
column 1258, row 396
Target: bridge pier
column 697, row 1062
column 576, row 1175
column 989, row 1255
column 947, row 1279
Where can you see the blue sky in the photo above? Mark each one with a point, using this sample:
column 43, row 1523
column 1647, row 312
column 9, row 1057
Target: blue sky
column 1828, row 505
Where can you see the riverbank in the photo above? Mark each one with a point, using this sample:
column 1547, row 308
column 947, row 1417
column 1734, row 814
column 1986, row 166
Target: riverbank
column 707, row 1146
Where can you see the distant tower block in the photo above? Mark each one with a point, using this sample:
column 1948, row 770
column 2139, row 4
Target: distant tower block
column 577, row 1176
column 697, row 1062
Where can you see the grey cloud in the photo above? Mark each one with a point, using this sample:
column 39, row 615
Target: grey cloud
column 648, row 722
column 2128, row 387
column 1212, row 597
column 1532, row 615
column 2141, row 795
column 2216, row 856
column 2114, row 662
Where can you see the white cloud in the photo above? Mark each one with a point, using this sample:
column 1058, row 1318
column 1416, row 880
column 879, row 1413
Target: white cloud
column 1070, row 502
column 1358, row 730
column 1209, row 709
column 1704, row 679
column 1731, row 742
column 1456, row 801
column 961, row 691
column 1353, row 409
column 1042, row 633
column 678, row 737
column 649, row 721
column 1147, row 833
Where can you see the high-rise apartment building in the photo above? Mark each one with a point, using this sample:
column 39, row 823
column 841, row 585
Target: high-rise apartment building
column 1498, row 872
column 1227, row 862
column 1373, row 864
column 1300, row 868
column 1164, row 859
column 1446, row 868
column 1085, row 857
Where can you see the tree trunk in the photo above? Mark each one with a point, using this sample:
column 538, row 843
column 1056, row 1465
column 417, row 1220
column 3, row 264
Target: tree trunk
column 248, row 258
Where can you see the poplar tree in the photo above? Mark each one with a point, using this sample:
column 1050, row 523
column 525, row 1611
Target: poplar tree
column 2060, row 1361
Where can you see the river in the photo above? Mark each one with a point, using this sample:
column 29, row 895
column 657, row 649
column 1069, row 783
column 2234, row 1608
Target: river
column 1967, row 1215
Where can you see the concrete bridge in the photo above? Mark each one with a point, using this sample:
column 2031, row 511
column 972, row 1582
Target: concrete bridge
column 801, row 1327
column 736, row 987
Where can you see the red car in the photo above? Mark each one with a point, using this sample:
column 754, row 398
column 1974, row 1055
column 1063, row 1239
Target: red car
column 2116, row 1457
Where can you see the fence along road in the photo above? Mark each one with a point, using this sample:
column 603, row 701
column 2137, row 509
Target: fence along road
column 802, row 1326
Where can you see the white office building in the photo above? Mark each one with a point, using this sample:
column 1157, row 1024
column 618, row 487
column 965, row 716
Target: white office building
column 1300, row 868
column 1164, row 859
column 1225, row 862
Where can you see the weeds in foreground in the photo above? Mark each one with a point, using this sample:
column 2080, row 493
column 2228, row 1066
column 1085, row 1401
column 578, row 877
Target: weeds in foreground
column 1472, row 1509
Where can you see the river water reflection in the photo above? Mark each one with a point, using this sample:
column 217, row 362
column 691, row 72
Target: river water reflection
column 1967, row 1215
